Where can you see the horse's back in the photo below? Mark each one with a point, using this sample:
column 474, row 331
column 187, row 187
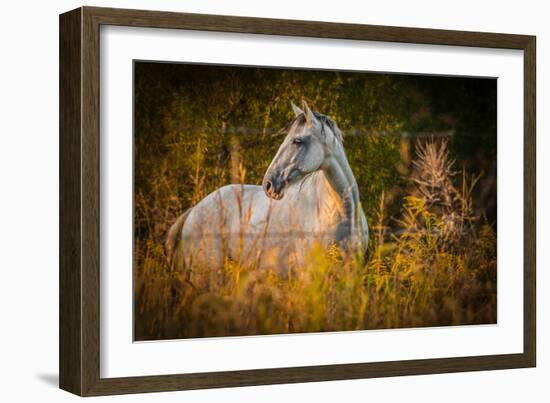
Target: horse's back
column 220, row 210
column 214, row 226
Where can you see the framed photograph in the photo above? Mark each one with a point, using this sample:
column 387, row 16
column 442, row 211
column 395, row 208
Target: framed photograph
column 249, row 201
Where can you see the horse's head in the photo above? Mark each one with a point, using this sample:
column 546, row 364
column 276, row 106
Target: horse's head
column 308, row 143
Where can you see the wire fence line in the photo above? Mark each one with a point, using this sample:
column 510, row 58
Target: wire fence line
column 248, row 131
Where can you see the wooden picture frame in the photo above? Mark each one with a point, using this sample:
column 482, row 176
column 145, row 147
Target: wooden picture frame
column 79, row 201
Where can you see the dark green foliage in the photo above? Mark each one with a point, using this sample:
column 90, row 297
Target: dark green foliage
column 195, row 124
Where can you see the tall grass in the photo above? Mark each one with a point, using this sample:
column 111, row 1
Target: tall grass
column 437, row 269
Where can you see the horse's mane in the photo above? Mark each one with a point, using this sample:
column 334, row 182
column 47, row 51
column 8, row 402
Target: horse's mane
column 325, row 121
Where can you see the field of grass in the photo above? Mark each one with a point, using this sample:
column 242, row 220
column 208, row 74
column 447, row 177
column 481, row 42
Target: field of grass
column 436, row 267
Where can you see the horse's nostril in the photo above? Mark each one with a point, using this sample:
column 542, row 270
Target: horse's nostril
column 268, row 186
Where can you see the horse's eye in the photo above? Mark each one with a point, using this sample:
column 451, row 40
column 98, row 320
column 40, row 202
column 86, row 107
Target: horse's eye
column 297, row 141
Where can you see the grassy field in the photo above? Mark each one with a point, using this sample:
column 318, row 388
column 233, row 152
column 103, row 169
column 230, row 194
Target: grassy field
column 437, row 269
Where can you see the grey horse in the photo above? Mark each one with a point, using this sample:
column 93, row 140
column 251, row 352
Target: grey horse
column 308, row 197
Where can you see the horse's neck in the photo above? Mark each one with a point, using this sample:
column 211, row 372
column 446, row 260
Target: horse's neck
column 328, row 207
column 329, row 196
column 339, row 176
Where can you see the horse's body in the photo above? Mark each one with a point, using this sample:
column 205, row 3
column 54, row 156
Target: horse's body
column 309, row 196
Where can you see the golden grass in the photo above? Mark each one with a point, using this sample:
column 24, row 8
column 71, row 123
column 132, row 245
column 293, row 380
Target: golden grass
column 439, row 269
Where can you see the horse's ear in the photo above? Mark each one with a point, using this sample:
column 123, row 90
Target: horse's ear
column 297, row 111
column 308, row 114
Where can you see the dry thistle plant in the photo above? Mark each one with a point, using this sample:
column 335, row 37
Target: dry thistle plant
column 446, row 211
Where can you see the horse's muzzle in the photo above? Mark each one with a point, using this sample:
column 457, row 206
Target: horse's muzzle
column 274, row 188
